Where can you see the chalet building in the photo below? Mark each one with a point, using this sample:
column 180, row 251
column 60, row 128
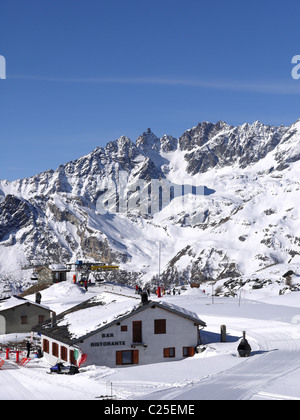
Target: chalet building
column 49, row 275
column 127, row 333
column 18, row 315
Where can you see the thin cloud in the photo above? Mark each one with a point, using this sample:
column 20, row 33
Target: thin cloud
column 292, row 88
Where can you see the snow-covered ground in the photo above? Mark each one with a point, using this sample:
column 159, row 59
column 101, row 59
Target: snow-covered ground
column 272, row 325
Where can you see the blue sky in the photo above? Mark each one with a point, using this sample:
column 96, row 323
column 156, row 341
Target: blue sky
column 81, row 73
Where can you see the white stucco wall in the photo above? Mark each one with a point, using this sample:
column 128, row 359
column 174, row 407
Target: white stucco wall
column 101, row 348
column 54, row 359
column 180, row 332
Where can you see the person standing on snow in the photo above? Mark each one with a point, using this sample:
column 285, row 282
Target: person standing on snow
column 28, row 346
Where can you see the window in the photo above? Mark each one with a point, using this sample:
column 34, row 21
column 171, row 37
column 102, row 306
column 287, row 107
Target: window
column 123, row 328
column 64, row 353
column 41, row 319
column 169, row 352
column 160, row 326
column 55, row 349
column 188, row 351
column 72, row 358
column 45, row 345
column 137, row 331
column 24, row 319
column 127, row 357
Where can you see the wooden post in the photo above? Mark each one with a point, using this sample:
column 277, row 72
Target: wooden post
column 223, row 333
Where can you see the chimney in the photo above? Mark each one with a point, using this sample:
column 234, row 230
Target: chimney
column 53, row 319
column 244, row 348
column 144, row 298
column 38, row 298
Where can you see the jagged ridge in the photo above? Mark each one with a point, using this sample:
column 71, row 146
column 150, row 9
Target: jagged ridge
column 52, row 216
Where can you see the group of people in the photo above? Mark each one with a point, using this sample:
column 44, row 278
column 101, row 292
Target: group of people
column 139, row 291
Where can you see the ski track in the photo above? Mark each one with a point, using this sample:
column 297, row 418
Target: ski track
column 17, row 384
column 277, row 357
column 12, row 389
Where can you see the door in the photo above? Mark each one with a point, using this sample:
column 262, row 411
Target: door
column 137, row 331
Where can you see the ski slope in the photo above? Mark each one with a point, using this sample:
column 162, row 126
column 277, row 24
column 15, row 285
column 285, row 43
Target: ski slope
column 271, row 372
column 261, row 376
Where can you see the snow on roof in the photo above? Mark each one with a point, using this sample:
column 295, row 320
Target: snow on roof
column 102, row 310
column 14, row 301
column 11, row 303
column 182, row 311
column 58, row 267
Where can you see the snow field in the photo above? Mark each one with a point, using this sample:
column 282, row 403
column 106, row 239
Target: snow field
column 271, row 372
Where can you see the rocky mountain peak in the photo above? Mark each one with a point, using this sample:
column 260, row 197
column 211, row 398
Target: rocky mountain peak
column 54, row 214
column 148, row 141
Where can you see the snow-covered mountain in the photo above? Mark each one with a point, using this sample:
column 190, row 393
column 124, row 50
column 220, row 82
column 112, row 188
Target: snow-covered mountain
column 239, row 214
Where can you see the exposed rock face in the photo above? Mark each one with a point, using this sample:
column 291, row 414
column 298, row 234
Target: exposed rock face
column 247, row 217
column 218, row 145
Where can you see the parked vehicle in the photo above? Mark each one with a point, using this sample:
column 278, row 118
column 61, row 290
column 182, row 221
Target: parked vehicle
column 61, row 369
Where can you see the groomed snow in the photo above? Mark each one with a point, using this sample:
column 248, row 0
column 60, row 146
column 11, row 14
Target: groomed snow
column 272, row 326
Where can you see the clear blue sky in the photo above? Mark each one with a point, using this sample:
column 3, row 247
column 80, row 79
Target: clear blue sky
column 81, row 73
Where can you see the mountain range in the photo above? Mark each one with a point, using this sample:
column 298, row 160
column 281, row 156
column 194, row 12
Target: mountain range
column 245, row 219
